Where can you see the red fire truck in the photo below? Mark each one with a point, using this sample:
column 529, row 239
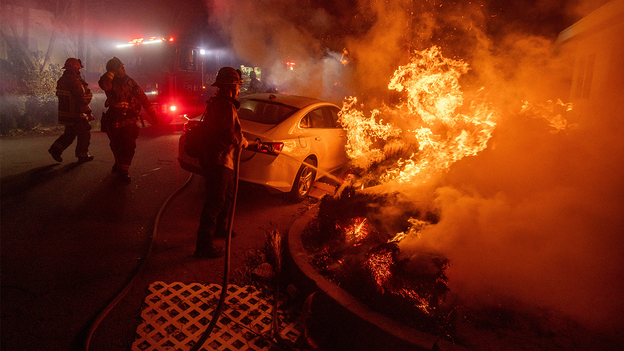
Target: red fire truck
column 175, row 75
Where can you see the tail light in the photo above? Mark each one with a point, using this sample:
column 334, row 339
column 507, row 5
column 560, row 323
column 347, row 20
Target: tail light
column 271, row 148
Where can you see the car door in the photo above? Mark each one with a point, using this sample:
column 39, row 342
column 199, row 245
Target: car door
column 327, row 139
column 337, row 139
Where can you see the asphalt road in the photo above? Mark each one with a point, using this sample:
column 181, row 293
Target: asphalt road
column 72, row 238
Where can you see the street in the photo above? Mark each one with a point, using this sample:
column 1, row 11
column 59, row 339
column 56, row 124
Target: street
column 73, row 237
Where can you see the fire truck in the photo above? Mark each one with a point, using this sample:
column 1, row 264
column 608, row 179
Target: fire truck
column 174, row 75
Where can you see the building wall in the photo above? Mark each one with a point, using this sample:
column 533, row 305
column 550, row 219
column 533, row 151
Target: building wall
column 597, row 45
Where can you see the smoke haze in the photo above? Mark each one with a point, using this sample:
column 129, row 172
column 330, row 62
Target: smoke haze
column 537, row 216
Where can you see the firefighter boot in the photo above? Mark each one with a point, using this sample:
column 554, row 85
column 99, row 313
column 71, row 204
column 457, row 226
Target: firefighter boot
column 122, row 174
column 56, row 155
column 124, row 177
column 84, row 159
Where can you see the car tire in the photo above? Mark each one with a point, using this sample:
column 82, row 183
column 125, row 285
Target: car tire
column 303, row 181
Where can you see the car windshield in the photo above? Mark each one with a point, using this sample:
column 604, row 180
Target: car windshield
column 264, row 111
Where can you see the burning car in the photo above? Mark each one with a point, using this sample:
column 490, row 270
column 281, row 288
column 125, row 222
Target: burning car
column 301, row 138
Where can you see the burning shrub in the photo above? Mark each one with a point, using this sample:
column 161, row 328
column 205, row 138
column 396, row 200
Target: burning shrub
column 353, row 242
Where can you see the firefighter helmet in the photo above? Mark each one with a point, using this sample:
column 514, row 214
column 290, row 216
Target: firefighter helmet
column 113, row 64
column 227, row 76
column 73, row 63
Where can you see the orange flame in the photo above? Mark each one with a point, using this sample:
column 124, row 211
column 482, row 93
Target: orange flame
column 551, row 111
column 435, row 115
column 357, row 231
column 362, row 132
column 343, row 60
column 416, row 226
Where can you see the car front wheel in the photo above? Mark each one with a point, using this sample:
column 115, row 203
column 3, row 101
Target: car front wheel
column 303, row 180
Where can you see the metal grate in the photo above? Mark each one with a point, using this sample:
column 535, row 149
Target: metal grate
column 176, row 314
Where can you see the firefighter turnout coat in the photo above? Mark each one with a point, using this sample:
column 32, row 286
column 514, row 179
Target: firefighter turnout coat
column 124, row 98
column 73, row 98
column 224, row 132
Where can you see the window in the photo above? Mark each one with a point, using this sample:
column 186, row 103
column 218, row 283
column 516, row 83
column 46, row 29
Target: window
column 188, row 59
column 319, row 118
column 333, row 116
column 264, row 112
column 585, row 76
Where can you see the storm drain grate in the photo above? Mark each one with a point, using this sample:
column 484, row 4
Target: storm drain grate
column 176, row 314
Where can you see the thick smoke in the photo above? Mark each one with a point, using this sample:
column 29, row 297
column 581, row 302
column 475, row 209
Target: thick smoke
column 536, row 217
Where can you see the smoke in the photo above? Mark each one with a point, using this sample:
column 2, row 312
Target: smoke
column 270, row 33
column 536, row 217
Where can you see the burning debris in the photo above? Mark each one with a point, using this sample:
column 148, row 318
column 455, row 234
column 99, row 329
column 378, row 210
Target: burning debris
column 353, row 242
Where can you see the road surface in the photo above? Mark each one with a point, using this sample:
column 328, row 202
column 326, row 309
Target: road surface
column 73, row 237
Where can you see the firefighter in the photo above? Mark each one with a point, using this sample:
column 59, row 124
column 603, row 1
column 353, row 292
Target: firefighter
column 73, row 112
column 124, row 98
column 255, row 86
column 224, row 138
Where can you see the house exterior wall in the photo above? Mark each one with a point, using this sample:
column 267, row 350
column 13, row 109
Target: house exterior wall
column 596, row 43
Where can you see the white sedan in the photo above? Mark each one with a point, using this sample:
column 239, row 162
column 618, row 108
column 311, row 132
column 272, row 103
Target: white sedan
column 302, row 138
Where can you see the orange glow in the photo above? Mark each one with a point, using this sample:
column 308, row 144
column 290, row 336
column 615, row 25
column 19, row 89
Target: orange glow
column 435, row 114
column 343, row 60
column 357, row 231
column 173, row 108
column 379, row 266
column 416, row 226
column 362, row 132
column 551, row 111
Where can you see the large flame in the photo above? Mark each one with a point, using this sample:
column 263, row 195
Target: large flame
column 445, row 127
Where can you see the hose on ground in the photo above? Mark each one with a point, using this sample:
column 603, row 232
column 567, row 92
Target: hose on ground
column 128, row 286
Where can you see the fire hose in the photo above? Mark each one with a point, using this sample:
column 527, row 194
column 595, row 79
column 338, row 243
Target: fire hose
column 123, row 293
column 226, row 274
column 261, row 146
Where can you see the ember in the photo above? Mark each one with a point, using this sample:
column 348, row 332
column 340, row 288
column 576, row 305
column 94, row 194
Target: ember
column 352, row 242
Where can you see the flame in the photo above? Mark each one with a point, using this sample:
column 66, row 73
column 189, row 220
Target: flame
column 551, row 111
column 362, row 132
column 357, row 231
column 416, row 226
column 435, row 114
column 421, row 302
column 379, row 264
column 343, row 60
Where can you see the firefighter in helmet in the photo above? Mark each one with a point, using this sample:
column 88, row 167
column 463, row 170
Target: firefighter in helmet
column 124, row 99
column 73, row 112
column 224, row 138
